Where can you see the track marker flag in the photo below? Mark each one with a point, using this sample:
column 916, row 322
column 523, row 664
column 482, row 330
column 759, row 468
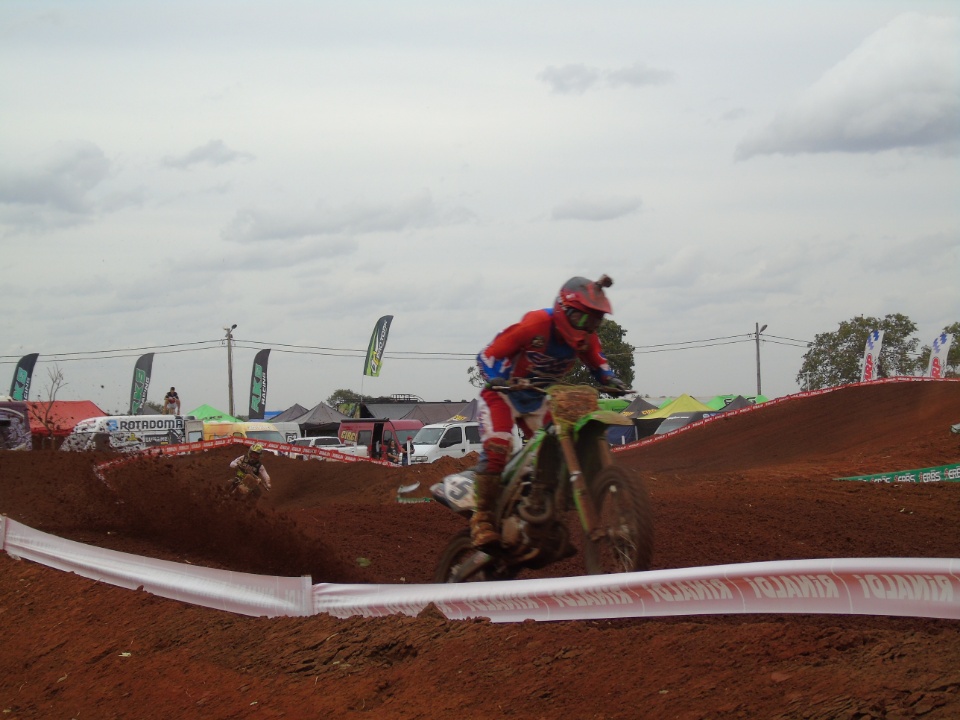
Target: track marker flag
column 22, row 375
column 378, row 343
column 871, row 355
column 258, row 385
column 938, row 355
column 141, row 383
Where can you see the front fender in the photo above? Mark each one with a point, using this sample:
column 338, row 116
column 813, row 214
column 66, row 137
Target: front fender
column 606, row 417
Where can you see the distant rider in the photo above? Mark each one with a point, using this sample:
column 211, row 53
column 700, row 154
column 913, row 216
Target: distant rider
column 250, row 472
column 544, row 344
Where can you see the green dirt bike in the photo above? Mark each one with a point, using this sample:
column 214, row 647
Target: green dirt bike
column 567, row 461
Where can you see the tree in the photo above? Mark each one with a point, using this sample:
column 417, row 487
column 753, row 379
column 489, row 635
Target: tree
column 834, row 358
column 42, row 410
column 619, row 354
column 343, row 396
column 952, row 368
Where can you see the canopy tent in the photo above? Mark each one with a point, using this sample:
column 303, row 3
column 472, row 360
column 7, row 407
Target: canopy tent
column 720, row 402
column 737, row 403
column 386, row 411
column 621, row 434
column 60, row 416
column 290, row 414
column 320, row 418
column 435, row 412
column 649, row 423
column 468, row 413
column 678, row 420
column 684, row 403
column 613, row 404
column 208, row 413
column 637, row 408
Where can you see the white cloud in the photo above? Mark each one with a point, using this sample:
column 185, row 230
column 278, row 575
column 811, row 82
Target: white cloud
column 595, row 209
column 576, row 79
column 420, row 211
column 214, row 153
column 63, row 183
column 899, row 89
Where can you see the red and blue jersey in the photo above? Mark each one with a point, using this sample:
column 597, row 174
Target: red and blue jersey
column 533, row 348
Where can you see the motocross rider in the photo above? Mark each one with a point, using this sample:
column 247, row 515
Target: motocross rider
column 544, row 344
column 249, row 464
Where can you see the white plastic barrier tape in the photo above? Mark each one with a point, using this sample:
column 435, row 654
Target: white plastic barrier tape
column 202, row 445
column 909, row 587
column 913, row 587
column 235, row 592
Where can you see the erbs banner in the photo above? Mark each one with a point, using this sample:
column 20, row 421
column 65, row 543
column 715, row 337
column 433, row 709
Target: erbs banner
column 871, row 355
column 378, row 343
column 20, row 387
column 938, row 355
column 258, row 385
column 141, row 383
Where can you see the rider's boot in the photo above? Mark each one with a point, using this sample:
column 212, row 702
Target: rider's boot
column 483, row 532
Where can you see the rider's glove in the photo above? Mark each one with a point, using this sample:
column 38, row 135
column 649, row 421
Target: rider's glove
column 615, row 386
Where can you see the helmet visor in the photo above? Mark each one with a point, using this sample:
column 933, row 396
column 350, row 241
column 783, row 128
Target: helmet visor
column 588, row 322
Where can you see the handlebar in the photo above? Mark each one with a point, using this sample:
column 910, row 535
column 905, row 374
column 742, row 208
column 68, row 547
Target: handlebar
column 541, row 384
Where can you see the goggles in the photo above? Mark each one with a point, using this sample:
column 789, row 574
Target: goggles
column 583, row 320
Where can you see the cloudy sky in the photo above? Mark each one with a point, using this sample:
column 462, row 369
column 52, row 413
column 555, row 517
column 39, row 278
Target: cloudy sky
column 168, row 169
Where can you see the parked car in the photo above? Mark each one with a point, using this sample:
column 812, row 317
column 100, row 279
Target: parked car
column 326, row 442
column 375, row 434
column 449, row 439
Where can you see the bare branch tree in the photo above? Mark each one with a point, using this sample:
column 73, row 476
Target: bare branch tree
column 43, row 411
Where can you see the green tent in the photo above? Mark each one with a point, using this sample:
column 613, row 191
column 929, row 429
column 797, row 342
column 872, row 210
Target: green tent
column 613, row 404
column 720, row 402
column 208, row 413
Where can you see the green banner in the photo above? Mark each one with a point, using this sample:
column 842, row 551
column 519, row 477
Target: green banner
column 378, row 342
column 942, row 473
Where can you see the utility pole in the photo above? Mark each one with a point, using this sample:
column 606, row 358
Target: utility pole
column 757, row 331
column 230, row 363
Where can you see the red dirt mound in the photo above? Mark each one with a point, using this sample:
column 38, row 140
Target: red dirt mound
column 757, row 486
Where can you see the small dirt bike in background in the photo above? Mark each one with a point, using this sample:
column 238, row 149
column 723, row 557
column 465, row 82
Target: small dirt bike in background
column 568, row 460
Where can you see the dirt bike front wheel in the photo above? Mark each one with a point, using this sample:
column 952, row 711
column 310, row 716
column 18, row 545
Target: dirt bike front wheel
column 626, row 524
column 462, row 562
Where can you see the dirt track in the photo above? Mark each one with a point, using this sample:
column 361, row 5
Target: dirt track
column 759, row 486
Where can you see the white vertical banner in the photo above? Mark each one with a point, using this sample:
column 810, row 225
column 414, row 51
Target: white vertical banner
column 871, row 355
column 938, row 355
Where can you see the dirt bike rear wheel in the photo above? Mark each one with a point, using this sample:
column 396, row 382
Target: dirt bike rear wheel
column 458, row 551
column 626, row 521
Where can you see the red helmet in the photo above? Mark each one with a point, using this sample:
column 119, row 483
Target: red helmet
column 580, row 307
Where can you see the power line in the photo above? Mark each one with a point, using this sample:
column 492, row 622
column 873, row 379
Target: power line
column 216, row 344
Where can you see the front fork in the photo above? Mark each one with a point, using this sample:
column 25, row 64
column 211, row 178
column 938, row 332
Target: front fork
column 578, row 485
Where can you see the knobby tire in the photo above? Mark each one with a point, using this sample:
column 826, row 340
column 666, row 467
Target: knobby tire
column 623, row 510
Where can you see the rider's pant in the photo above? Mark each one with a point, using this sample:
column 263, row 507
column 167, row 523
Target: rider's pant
column 497, row 417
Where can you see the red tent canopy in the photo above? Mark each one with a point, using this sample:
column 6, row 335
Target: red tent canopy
column 64, row 415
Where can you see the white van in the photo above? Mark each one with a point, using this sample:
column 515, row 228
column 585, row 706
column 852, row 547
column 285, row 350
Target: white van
column 325, row 442
column 449, row 439
column 125, row 433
